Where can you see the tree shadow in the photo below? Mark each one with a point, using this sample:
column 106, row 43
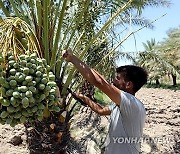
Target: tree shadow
column 75, row 146
column 176, row 145
column 86, row 119
column 91, row 123
column 89, row 119
column 150, row 142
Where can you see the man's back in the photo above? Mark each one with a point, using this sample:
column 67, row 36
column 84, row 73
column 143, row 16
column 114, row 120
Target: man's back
column 126, row 127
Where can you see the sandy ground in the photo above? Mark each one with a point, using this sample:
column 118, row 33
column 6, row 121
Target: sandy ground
column 161, row 132
column 162, row 122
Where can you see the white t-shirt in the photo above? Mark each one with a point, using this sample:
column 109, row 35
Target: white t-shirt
column 126, row 126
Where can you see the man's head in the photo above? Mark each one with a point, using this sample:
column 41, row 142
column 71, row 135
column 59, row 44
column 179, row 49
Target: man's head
column 130, row 78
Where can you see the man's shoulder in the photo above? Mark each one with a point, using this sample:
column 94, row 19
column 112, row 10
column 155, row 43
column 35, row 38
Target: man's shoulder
column 130, row 101
column 127, row 96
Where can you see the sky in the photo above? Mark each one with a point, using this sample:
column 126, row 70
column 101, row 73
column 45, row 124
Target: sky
column 161, row 26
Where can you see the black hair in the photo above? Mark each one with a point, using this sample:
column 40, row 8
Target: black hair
column 137, row 75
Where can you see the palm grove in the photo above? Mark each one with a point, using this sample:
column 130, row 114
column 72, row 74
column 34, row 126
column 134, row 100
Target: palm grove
column 162, row 59
column 30, row 28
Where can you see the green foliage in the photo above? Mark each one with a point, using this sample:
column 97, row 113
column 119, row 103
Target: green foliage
column 95, row 59
column 170, row 47
column 52, row 26
column 47, row 27
column 162, row 59
column 102, row 98
column 17, row 37
column 58, row 25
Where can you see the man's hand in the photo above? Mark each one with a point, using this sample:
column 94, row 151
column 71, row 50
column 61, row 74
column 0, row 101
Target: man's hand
column 67, row 55
column 79, row 95
column 93, row 105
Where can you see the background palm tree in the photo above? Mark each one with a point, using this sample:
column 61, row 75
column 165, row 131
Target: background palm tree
column 161, row 59
column 170, row 48
column 148, row 60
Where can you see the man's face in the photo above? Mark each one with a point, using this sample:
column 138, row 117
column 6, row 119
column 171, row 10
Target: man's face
column 119, row 81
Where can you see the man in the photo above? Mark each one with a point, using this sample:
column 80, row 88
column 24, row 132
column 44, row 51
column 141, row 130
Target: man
column 127, row 113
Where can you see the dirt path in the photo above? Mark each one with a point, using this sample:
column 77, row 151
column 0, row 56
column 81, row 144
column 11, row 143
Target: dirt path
column 161, row 133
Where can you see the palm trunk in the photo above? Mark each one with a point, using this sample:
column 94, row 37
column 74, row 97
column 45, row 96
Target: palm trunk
column 174, row 79
column 157, row 82
column 48, row 136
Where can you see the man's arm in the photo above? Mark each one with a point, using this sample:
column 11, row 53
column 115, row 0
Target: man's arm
column 93, row 105
column 94, row 77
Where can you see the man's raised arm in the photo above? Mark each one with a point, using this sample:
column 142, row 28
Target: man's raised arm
column 93, row 77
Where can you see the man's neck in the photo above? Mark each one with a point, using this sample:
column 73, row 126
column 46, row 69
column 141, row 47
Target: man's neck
column 131, row 92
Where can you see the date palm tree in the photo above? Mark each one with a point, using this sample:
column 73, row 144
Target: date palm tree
column 148, row 60
column 48, row 27
column 170, row 48
column 161, row 59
